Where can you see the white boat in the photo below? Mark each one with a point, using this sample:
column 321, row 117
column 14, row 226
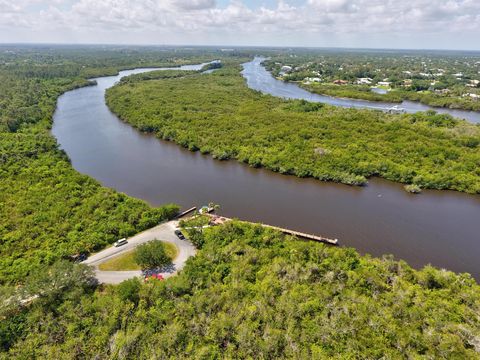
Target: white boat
column 396, row 110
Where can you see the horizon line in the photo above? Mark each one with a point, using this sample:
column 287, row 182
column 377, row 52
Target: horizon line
column 219, row 46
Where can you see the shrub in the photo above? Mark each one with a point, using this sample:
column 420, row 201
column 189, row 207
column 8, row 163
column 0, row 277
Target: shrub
column 152, row 255
column 128, row 290
column 413, row 189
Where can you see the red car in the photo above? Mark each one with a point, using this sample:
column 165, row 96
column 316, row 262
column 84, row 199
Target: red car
column 154, row 277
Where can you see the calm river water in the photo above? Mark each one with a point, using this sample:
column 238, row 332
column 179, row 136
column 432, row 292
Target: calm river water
column 441, row 228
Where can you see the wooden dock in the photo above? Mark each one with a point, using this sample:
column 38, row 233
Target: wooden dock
column 291, row 232
column 303, row 235
column 182, row 214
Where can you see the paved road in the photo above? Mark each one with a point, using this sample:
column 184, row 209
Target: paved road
column 164, row 232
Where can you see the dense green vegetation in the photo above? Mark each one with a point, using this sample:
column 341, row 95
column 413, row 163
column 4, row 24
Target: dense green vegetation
column 155, row 75
column 218, row 114
column 451, row 101
column 47, row 209
column 252, row 293
column 435, row 78
column 352, row 92
column 396, row 96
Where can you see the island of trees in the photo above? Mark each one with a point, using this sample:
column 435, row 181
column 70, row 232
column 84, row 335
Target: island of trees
column 220, row 115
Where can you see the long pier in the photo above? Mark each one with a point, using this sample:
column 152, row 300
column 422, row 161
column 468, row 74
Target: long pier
column 288, row 231
column 303, row 235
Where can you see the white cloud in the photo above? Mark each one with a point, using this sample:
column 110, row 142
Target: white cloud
column 315, row 22
column 194, row 4
column 334, row 6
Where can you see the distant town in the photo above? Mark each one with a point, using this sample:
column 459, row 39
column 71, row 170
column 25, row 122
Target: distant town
column 446, row 81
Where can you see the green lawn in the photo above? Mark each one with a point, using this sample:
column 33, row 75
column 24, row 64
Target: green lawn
column 126, row 262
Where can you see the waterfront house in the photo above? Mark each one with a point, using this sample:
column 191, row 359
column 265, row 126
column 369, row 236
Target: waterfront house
column 473, row 96
column 310, row 80
column 473, row 83
column 364, row 81
column 384, row 83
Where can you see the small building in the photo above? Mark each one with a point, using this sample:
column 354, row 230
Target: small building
column 407, row 82
column 473, row 96
column 310, row 80
column 286, row 69
column 340, row 82
column 364, row 81
column 473, row 83
column 384, row 83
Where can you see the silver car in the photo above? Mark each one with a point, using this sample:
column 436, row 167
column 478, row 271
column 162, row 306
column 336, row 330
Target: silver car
column 120, row 242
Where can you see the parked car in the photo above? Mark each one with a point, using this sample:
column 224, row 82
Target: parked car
column 77, row 257
column 81, row 257
column 179, row 235
column 120, row 242
column 154, row 277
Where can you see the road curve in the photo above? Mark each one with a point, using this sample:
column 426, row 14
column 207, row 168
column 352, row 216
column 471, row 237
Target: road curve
column 164, row 232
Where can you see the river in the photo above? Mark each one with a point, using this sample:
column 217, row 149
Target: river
column 260, row 79
column 436, row 227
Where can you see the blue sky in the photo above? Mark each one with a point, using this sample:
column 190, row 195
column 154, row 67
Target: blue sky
column 442, row 24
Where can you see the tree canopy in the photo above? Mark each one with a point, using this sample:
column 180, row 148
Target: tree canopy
column 152, row 255
column 252, row 292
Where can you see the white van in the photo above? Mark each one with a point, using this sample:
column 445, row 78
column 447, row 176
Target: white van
column 120, row 242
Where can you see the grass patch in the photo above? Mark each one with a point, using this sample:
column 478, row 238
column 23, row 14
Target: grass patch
column 171, row 250
column 126, row 261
